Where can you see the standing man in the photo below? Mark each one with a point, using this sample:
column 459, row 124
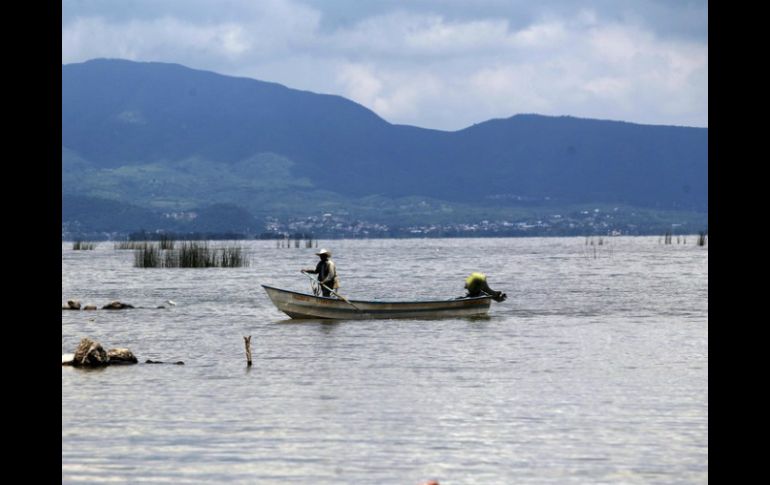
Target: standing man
column 326, row 271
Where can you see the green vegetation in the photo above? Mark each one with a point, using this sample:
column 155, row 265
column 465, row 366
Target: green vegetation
column 191, row 183
column 188, row 255
column 166, row 242
column 145, row 155
column 83, row 245
column 130, row 244
column 147, row 256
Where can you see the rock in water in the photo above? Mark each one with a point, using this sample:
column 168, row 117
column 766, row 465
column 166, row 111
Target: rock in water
column 71, row 305
column 116, row 305
column 121, row 356
column 90, row 354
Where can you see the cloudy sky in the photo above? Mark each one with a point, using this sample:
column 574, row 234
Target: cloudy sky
column 443, row 64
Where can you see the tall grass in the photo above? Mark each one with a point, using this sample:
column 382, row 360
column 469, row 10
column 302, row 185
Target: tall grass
column 232, row 257
column 594, row 250
column 299, row 239
column 83, row 245
column 166, row 242
column 190, row 254
column 130, row 244
column 147, row 255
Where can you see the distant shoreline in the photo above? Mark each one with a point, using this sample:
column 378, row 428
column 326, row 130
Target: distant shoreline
column 693, row 235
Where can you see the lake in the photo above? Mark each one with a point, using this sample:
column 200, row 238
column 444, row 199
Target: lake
column 595, row 370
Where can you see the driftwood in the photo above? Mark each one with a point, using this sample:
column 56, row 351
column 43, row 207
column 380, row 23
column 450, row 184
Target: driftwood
column 247, row 343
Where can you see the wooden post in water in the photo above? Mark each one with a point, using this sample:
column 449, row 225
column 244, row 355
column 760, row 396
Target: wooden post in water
column 247, row 343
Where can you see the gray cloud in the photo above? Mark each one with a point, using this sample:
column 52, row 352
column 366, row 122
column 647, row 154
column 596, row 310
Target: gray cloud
column 435, row 64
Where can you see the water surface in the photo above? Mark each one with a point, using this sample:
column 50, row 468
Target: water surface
column 594, row 371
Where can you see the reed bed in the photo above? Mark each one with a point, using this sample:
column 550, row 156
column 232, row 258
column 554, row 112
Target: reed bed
column 592, row 249
column 166, row 242
column 130, row 244
column 190, row 254
column 83, row 246
column 297, row 240
column 147, row 256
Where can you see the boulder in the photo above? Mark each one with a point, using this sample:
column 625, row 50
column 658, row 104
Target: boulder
column 121, row 357
column 90, row 306
column 71, row 305
column 90, row 354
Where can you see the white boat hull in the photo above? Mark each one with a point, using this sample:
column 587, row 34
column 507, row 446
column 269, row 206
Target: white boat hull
column 302, row 305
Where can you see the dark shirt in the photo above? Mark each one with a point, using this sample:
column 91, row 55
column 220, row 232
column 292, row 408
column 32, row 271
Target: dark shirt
column 322, row 269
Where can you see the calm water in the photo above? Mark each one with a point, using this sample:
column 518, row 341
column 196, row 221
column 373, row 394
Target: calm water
column 594, row 371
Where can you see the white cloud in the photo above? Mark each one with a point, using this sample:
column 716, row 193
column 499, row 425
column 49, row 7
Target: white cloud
column 160, row 39
column 390, row 94
column 580, row 68
column 541, row 35
column 420, row 66
column 610, row 87
column 272, row 29
column 360, row 83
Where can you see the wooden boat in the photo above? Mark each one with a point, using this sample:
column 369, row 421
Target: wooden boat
column 303, row 305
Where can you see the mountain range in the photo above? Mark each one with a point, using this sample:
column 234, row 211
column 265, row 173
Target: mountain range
column 164, row 143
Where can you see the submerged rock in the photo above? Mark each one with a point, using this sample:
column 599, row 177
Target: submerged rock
column 90, row 306
column 148, row 361
column 116, row 305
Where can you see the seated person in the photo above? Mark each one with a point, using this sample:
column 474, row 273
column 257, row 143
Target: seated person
column 476, row 284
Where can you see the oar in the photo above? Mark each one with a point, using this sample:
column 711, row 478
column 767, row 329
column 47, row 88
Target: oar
column 332, row 291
